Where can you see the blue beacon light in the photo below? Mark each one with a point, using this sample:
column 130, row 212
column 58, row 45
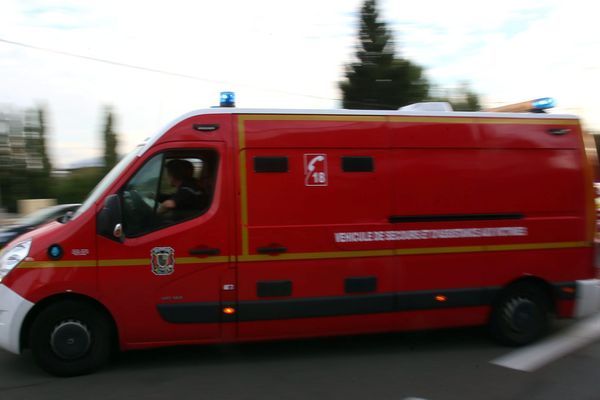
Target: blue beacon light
column 543, row 103
column 227, row 99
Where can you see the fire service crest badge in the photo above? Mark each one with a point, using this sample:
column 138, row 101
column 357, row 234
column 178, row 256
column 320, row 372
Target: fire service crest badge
column 163, row 260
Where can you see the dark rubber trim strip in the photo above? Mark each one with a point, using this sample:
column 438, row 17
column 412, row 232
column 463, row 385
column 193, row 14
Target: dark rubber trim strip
column 355, row 304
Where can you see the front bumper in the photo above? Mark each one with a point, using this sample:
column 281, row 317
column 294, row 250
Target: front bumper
column 588, row 297
column 13, row 309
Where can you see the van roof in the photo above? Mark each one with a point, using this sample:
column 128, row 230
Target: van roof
column 392, row 113
column 479, row 114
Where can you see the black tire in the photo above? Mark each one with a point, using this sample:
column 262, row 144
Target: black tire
column 70, row 338
column 521, row 315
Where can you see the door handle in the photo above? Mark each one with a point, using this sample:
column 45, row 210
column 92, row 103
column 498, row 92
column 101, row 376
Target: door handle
column 204, row 251
column 559, row 131
column 271, row 250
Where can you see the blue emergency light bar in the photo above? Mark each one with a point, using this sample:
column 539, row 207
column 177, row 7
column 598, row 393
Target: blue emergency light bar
column 543, row 103
column 227, row 99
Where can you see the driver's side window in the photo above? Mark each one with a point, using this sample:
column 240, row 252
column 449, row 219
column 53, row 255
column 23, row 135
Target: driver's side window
column 170, row 188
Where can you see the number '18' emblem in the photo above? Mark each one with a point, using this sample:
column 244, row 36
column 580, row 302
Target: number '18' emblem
column 315, row 169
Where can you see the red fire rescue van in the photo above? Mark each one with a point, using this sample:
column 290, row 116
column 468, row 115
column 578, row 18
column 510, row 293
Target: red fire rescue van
column 237, row 225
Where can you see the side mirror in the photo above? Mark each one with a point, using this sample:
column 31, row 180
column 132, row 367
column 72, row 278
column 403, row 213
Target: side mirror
column 67, row 217
column 108, row 220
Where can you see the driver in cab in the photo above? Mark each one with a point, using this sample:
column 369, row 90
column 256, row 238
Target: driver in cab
column 188, row 195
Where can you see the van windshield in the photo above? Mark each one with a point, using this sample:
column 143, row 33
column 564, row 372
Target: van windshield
column 106, row 182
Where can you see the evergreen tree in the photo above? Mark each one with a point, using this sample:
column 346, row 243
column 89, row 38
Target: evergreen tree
column 74, row 187
column 472, row 102
column 46, row 164
column 38, row 171
column 110, row 141
column 378, row 79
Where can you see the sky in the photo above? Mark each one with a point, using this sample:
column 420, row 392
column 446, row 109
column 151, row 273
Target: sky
column 275, row 54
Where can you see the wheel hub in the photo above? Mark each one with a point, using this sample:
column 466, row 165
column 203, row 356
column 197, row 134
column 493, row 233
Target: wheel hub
column 70, row 339
column 521, row 315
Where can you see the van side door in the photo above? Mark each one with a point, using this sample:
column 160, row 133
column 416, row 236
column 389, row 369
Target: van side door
column 162, row 275
column 315, row 197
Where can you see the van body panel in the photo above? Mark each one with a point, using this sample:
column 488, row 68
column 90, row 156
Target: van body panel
column 332, row 223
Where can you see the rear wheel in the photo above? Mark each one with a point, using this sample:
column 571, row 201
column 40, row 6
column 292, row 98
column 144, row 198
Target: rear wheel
column 70, row 338
column 521, row 315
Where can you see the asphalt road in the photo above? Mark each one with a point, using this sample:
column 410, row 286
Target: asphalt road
column 448, row 364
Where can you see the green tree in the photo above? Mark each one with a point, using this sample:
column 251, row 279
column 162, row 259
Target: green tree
column 110, row 140
column 378, row 79
column 75, row 187
column 46, row 164
column 39, row 168
column 461, row 99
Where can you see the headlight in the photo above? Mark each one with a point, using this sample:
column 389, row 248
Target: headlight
column 12, row 256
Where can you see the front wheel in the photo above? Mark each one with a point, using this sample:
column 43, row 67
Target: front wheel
column 70, row 338
column 521, row 315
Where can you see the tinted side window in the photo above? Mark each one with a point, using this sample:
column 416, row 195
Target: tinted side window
column 357, row 164
column 170, row 188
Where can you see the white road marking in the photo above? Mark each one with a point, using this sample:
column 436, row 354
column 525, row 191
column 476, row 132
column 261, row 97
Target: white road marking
column 536, row 356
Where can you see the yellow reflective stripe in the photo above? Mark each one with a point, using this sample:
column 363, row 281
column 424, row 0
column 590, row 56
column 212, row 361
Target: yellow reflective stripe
column 390, row 118
column 487, row 121
column 494, row 247
column 312, row 256
column 124, row 263
column 147, row 261
column 58, row 264
column 243, row 184
column 588, row 188
column 207, row 260
column 399, row 118
column 445, row 120
column 414, row 251
column 320, row 255
column 241, row 129
column 244, row 202
column 118, row 263
column 308, row 117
